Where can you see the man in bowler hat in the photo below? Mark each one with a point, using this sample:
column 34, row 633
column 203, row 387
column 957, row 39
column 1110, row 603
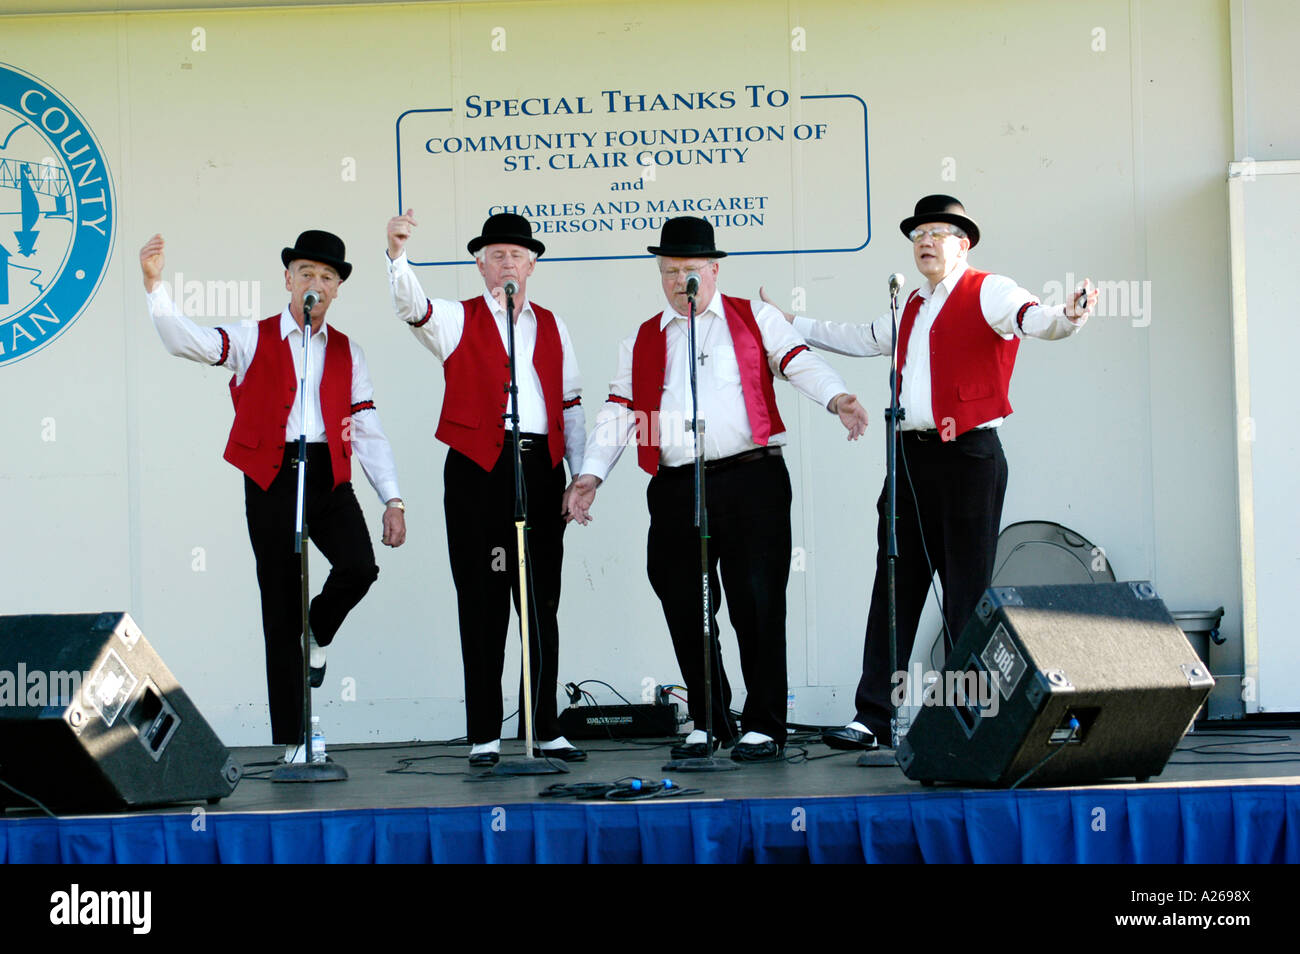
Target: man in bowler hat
column 952, row 472
column 341, row 425
column 741, row 346
column 469, row 338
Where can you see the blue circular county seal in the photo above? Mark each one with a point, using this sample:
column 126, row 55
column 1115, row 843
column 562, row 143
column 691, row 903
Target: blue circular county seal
column 57, row 214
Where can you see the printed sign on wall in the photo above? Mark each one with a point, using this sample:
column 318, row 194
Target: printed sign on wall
column 598, row 172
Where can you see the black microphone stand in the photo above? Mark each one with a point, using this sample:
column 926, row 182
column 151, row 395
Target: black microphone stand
column 893, row 414
column 307, row 771
column 530, row 764
column 708, row 763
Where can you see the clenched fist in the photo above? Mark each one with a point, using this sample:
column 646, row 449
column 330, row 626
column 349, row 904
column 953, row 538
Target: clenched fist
column 152, row 261
column 399, row 230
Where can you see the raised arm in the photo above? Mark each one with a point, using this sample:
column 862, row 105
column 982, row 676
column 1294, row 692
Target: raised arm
column 436, row 324
column 230, row 347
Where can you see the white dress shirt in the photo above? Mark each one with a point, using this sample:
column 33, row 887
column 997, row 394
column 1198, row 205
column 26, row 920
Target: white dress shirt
column 442, row 333
column 1000, row 299
column 723, row 415
column 185, row 339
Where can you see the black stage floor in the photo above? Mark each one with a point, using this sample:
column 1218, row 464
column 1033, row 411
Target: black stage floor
column 388, row 775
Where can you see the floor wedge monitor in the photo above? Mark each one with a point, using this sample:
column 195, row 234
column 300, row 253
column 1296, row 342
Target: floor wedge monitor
column 1058, row 684
column 91, row 720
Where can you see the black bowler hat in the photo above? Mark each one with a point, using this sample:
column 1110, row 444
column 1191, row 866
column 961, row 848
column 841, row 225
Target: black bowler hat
column 316, row 246
column 506, row 228
column 686, row 237
column 942, row 208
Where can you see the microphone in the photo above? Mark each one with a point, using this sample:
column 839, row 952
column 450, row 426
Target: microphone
column 510, row 288
column 310, row 300
column 692, row 284
column 896, row 282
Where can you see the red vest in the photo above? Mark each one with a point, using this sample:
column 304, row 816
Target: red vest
column 265, row 397
column 970, row 363
column 649, row 361
column 478, row 373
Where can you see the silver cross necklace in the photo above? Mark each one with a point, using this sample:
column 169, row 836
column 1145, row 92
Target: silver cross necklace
column 703, row 344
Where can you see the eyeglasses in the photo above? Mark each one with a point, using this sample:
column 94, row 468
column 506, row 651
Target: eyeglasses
column 937, row 233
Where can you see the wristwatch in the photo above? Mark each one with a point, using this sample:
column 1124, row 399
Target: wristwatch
column 397, row 504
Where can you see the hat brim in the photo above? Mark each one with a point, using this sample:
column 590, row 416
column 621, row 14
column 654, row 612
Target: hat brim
column 687, row 251
column 292, row 255
column 949, row 218
column 523, row 241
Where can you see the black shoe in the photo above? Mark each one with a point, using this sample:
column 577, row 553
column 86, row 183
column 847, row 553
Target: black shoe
column 767, row 751
column 566, row 754
column 692, row 750
column 484, row 760
column 317, row 675
column 698, row 750
column 849, row 739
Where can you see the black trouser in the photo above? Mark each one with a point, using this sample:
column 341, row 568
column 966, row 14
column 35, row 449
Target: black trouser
column 336, row 526
column 749, row 536
column 959, row 487
column 481, row 541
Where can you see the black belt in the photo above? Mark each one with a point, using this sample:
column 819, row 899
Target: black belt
column 527, row 442
column 722, row 463
column 930, row 434
column 314, row 449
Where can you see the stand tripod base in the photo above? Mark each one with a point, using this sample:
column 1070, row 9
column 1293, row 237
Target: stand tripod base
column 706, row 764
column 527, row 766
column 309, row 772
column 879, row 758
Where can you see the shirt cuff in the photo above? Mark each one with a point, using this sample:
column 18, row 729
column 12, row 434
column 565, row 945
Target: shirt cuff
column 158, row 298
column 830, row 395
column 598, row 469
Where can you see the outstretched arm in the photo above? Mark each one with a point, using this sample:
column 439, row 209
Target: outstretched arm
column 854, row 340
column 1012, row 310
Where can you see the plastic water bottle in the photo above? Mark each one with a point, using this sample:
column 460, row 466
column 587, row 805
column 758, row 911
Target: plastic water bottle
column 899, row 724
column 317, row 740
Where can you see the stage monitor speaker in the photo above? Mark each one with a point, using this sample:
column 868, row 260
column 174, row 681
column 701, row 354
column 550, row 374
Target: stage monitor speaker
column 1034, row 661
column 91, row 719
